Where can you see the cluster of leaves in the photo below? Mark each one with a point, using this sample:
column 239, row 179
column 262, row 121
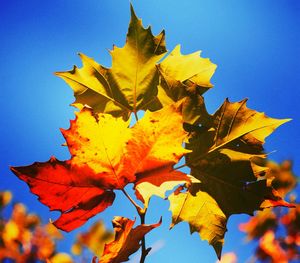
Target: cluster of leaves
column 277, row 230
column 24, row 239
column 222, row 150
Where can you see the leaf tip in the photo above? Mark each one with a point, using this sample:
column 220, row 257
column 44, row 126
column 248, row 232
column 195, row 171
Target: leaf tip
column 176, row 51
column 61, row 73
column 12, row 168
column 160, row 221
column 287, row 120
column 281, row 122
column 218, row 249
column 132, row 12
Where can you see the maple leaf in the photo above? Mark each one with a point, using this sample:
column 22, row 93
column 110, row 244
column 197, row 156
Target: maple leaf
column 106, row 155
column 60, row 186
column 130, row 84
column 223, row 159
column 185, row 77
column 237, row 128
column 203, row 214
column 127, row 240
column 183, row 73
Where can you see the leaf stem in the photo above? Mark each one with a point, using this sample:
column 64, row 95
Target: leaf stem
column 179, row 167
column 136, row 116
column 138, row 208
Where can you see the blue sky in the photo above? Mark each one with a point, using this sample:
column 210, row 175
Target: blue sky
column 255, row 44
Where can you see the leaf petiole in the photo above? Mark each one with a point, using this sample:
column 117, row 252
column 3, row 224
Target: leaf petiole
column 138, row 208
column 136, row 116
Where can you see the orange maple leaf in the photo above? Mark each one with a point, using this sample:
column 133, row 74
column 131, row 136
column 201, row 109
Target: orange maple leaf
column 106, row 155
column 127, row 240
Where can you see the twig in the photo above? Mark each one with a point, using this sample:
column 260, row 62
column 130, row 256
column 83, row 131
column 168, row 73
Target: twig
column 145, row 250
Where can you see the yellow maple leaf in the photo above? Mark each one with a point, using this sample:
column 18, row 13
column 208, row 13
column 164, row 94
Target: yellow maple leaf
column 130, row 84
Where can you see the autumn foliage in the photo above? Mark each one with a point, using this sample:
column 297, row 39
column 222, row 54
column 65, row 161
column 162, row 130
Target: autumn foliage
column 277, row 230
column 23, row 238
column 224, row 150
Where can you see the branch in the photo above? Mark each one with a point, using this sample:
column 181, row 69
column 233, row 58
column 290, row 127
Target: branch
column 145, row 250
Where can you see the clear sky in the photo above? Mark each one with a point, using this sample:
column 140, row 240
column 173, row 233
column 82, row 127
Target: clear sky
column 255, row 44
